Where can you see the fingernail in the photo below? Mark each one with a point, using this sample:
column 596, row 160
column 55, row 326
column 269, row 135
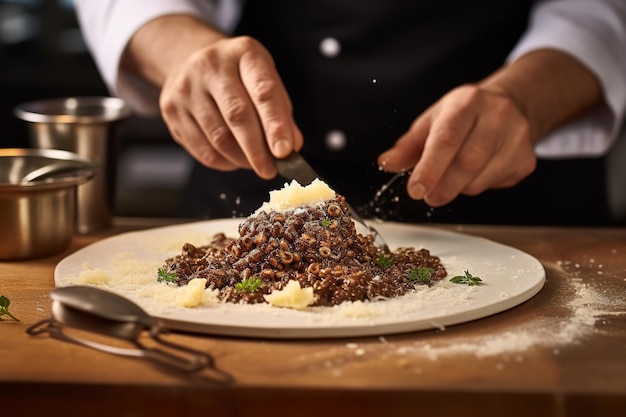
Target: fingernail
column 282, row 148
column 417, row 191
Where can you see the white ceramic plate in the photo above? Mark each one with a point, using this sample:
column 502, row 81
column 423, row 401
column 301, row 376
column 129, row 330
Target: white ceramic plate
column 129, row 262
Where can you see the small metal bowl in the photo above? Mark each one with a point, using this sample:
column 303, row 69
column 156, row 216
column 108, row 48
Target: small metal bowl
column 38, row 217
column 87, row 126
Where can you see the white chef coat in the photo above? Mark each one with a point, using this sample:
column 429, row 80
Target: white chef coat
column 593, row 31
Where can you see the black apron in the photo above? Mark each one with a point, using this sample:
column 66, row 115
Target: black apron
column 391, row 60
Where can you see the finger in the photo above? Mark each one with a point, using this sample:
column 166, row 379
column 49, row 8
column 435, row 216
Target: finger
column 217, row 133
column 238, row 113
column 508, row 169
column 448, row 132
column 237, row 109
column 271, row 101
column 194, row 119
column 188, row 133
column 407, row 150
column 470, row 161
column 514, row 155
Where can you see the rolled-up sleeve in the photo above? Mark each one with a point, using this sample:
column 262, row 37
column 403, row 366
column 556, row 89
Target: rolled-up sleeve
column 594, row 32
column 108, row 26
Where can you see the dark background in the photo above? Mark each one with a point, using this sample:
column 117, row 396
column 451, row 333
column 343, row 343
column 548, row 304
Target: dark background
column 43, row 55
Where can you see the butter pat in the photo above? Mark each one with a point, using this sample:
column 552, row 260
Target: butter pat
column 191, row 294
column 294, row 195
column 291, row 296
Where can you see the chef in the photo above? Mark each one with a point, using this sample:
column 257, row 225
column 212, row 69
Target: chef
column 449, row 111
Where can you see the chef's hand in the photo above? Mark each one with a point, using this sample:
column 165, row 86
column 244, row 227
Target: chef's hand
column 227, row 105
column 469, row 141
column 482, row 136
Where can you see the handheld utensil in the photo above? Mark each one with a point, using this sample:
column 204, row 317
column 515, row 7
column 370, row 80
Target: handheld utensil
column 295, row 167
column 103, row 312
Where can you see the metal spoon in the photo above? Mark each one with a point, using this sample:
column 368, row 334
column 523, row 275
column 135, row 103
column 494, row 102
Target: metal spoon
column 56, row 168
column 99, row 311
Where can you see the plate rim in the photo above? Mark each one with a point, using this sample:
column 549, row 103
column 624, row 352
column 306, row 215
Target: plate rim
column 321, row 332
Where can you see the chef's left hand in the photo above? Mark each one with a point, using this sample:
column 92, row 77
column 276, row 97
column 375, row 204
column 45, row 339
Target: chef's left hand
column 471, row 140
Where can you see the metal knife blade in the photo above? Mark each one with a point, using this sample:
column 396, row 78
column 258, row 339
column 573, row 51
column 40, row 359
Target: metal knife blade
column 295, row 167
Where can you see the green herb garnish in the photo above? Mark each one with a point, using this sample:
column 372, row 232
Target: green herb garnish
column 4, row 308
column 166, row 276
column 468, row 279
column 421, row 275
column 384, row 261
column 249, row 284
column 325, row 222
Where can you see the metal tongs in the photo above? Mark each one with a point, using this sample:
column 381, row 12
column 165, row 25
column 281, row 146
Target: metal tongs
column 295, row 167
column 105, row 313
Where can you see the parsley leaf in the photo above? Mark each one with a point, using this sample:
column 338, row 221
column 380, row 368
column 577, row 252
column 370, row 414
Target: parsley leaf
column 468, row 279
column 325, row 222
column 384, row 261
column 248, row 285
column 4, row 308
column 421, row 275
column 166, row 276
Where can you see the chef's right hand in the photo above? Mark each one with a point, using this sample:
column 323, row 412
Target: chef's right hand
column 227, row 105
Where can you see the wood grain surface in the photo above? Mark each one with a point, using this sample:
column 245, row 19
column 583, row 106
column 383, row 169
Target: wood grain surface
column 562, row 353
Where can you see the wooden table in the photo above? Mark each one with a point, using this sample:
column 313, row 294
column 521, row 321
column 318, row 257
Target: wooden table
column 561, row 353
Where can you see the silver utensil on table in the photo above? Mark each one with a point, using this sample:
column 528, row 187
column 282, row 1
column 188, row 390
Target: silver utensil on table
column 295, row 167
column 102, row 312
